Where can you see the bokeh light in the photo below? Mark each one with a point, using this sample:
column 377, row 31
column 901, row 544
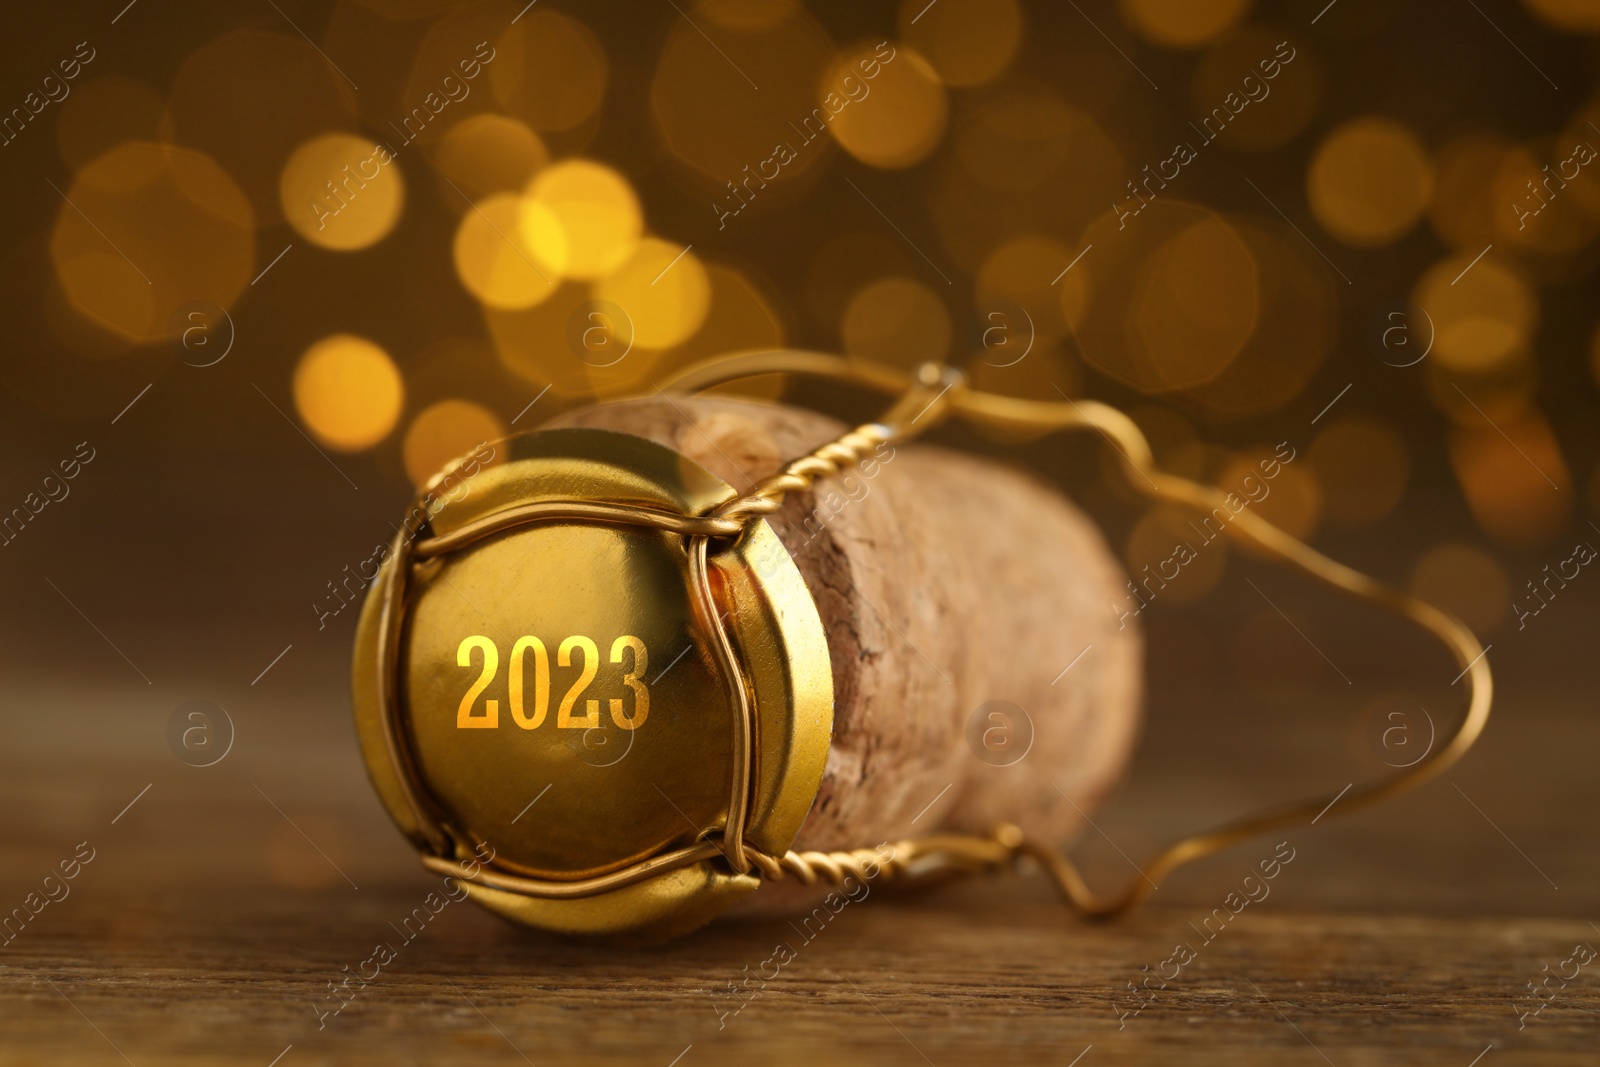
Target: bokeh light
column 1174, row 296
column 663, row 289
column 715, row 119
column 1465, row 202
column 1483, row 313
column 146, row 229
column 549, row 71
column 1369, row 182
column 348, row 392
column 1465, row 581
column 342, row 192
column 1277, row 108
column 581, row 219
column 893, row 120
column 1183, row 564
column 494, row 259
column 1514, row 477
column 969, row 42
column 1574, row 16
column 487, row 154
column 1295, row 332
column 1018, row 276
column 896, row 321
column 1181, row 23
column 248, row 99
column 1291, row 500
column 443, row 432
column 1362, row 466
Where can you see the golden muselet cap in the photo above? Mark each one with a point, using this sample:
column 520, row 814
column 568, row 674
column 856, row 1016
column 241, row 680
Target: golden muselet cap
column 585, row 697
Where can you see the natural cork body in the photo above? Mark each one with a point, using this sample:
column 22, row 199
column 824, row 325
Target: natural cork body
column 944, row 582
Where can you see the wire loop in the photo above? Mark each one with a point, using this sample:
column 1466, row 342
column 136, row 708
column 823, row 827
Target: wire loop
column 918, row 409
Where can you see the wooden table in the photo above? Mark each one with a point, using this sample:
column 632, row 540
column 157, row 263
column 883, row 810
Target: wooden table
column 221, row 905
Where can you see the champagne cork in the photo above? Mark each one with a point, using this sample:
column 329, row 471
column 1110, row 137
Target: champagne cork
column 979, row 674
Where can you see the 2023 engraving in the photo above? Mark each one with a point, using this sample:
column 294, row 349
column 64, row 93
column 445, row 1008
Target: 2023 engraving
column 489, row 717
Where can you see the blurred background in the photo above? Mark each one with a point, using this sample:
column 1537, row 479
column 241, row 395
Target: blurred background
column 267, row 266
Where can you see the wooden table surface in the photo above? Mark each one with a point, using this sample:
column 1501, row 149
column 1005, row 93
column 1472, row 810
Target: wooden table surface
column 221, row 905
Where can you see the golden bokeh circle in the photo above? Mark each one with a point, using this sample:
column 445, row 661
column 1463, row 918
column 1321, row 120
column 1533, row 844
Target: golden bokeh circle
column 445, row 431
column 969, row 42
column 1465, row 202
column 1483, row 312
column 1465, row 581
column 168, row 228
column 1514, row 477
column 664, row 290
column 1363, row 467
column 1369, row 182
column 549, row 71
column 1017, row 276
column 1244, row 95
column 1173, row 296
column 1181, row 23
column 748, row 14
column 900, row 116
column 1296, row 331
column 348, row 392
column 1292, row 499
column 748, row 120
column 1573, row 16
column 248, row 98
column 896, row 321
column 487, row 154
column 342, row 192
column 1167, row 548
column 493, row 258
column 581, row 219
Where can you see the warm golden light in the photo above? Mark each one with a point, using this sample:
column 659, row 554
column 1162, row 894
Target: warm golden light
column 493, row 258
column 903, row 118
column 1175, row 295
column 581, row 219
column 1181, row 560
column 1195, row 303
column 896, row 321
column 1483, row 313
column 1465, row 204
column 1285, row 493
column 341, row 191
column 549, row 71
column 1369, row 182
column 1574, row 16
column 1514, row 477
column 1362, row 466
column 1259, row 111
column 487, row 154
column 753, row 137
column 747, row 14
column 1181, row 23
column 444, row 432
column 348, row 392
column 1018, row 307
column 248, row 99
column 1465, row 581
column 149, row 229
column 663, row 289
column 969, row 42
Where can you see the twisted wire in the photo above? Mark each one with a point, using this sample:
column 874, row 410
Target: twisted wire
column 798, row 475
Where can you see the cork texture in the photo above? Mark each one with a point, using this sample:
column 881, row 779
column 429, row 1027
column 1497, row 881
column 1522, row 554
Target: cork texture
column 944, row 582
